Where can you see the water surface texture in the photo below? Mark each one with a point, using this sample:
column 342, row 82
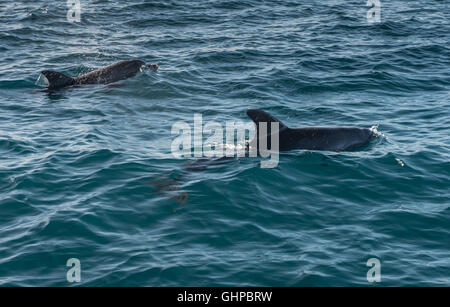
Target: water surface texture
column 88, row 172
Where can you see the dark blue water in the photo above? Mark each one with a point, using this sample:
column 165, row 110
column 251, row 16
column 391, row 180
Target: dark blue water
column 88, row 172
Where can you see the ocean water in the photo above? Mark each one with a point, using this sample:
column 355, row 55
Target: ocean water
column 88, row 172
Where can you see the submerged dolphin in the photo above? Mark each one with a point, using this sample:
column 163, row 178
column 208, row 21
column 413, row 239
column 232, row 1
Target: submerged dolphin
column 311, row 138
column 112, row 73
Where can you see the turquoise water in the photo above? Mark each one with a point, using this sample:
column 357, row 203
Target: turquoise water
column 88, row 172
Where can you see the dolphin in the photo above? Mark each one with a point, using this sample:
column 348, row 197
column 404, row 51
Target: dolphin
column 310, row 138
column 112, row 73
column 307, row 138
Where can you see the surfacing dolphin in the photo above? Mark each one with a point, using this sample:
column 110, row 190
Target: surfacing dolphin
column 112, row 73
column 311, row 138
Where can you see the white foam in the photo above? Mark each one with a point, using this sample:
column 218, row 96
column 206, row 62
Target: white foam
column 375, row 131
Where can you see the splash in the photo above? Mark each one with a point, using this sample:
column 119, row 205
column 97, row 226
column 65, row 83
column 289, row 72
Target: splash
column 238, row 149
column 402, row 164
column 376, row 133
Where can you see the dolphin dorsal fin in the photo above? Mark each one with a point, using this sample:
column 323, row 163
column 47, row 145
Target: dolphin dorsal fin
column 56, row 79
column 259, row 116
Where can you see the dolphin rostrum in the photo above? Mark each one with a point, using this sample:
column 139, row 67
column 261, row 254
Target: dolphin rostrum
column 310, row 138
column 112, row 73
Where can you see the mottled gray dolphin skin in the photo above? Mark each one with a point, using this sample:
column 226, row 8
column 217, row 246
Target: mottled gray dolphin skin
column 112, row 73
column 311, row 138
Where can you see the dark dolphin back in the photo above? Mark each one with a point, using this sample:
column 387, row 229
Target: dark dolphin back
column 56, row 79
column 310, row 138
column 112, row 73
